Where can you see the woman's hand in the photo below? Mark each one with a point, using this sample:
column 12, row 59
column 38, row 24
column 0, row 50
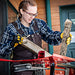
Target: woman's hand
column 68, row 39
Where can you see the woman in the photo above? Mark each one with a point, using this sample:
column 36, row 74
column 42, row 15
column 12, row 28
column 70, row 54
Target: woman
column 26, row 25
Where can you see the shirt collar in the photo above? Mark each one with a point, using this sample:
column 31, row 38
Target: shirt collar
column 21, row 25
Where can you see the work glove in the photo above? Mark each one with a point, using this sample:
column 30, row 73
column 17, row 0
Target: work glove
column 19, row 40
column 68, row 39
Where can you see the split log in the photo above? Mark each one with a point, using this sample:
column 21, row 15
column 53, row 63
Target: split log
column 33, row 47
column 66, row 32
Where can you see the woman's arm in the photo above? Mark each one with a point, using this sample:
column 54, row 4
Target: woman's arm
column 50, row 36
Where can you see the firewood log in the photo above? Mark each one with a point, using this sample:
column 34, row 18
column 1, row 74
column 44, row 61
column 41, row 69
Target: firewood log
column 66, row 34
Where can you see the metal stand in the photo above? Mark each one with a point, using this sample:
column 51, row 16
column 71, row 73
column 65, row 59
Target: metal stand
column 38, row 69
column 52, row 69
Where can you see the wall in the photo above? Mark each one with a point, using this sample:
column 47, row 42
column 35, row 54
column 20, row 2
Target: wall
column 15, row 3
column 55, row 16
column 11, row 15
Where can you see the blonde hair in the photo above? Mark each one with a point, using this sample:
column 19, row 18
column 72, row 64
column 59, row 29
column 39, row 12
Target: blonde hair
column 23, row 5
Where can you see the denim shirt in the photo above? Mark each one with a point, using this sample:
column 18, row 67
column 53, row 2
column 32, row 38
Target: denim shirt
column 50, row 36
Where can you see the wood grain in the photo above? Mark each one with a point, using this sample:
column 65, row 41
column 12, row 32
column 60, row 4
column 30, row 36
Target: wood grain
column 33, row 47
column 66, row 32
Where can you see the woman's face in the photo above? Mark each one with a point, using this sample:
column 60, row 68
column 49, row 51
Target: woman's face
column 29, row 14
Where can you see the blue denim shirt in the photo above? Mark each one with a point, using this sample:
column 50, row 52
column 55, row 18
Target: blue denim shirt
column 51, row 37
